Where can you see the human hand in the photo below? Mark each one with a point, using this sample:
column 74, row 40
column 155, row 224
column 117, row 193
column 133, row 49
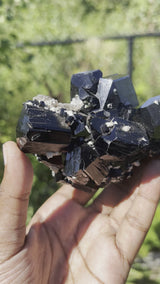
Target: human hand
column 65, row 242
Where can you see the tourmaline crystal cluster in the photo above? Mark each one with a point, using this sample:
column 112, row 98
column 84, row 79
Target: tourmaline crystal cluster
column 95, row 139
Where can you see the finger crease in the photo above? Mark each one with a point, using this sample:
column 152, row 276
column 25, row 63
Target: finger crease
column 147, row 198
column 114, row 222
column 135, row 223
column 49, row 240
column 62, row 247
column 20, row 228
column 19, row 198
column 122, row 253
column 86, row 264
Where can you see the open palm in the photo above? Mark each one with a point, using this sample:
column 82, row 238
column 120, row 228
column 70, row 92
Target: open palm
column 66, row 242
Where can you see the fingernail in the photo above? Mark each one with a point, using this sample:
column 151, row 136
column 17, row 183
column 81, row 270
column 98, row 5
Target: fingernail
column 4, row 149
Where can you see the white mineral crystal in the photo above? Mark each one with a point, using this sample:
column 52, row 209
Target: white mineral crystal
column 53, row 104
column 126, row 128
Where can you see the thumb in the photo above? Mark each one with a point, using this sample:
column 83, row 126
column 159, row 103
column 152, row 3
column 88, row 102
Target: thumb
column 14, row 196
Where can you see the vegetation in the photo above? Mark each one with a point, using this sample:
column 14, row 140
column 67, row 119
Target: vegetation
column 27, row 71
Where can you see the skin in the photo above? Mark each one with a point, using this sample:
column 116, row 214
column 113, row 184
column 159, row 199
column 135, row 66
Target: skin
column 66, row 242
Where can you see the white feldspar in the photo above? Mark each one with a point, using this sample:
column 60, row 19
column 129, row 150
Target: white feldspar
column 53, row 104
column 126, row 128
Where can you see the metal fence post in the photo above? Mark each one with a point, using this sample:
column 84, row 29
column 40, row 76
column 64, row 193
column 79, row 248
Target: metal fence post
column 68, row 41
column 130, row 55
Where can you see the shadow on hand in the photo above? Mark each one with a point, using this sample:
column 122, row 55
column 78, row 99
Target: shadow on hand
column 67, row 225
column 115, row 193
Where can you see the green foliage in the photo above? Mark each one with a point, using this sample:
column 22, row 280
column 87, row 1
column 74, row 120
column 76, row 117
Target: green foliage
column 138, row 273
column 44, row 185
column 27, row 71
column 141, row 276
column 152, row 241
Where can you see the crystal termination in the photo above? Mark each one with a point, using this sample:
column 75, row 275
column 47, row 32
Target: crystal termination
column 96, row 139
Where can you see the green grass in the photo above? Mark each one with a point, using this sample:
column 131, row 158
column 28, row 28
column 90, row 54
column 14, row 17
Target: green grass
column 139, row 276
column 98, row 192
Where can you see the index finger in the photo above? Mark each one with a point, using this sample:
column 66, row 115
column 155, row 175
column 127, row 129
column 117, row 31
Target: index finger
column 138, row 219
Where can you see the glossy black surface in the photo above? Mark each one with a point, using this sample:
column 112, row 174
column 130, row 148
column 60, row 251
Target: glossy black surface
column 100, row 141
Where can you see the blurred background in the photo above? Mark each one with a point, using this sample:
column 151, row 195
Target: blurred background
column 42, row 43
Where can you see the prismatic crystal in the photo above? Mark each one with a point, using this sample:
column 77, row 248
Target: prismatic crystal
column 95, row 139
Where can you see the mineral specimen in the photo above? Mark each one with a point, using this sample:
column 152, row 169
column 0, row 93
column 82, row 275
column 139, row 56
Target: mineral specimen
column 98, row 137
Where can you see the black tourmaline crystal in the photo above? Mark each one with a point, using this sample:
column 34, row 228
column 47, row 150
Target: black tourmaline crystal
column 98, row 137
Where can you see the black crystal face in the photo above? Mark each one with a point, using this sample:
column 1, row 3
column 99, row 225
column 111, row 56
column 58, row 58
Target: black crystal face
column 96, row 139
